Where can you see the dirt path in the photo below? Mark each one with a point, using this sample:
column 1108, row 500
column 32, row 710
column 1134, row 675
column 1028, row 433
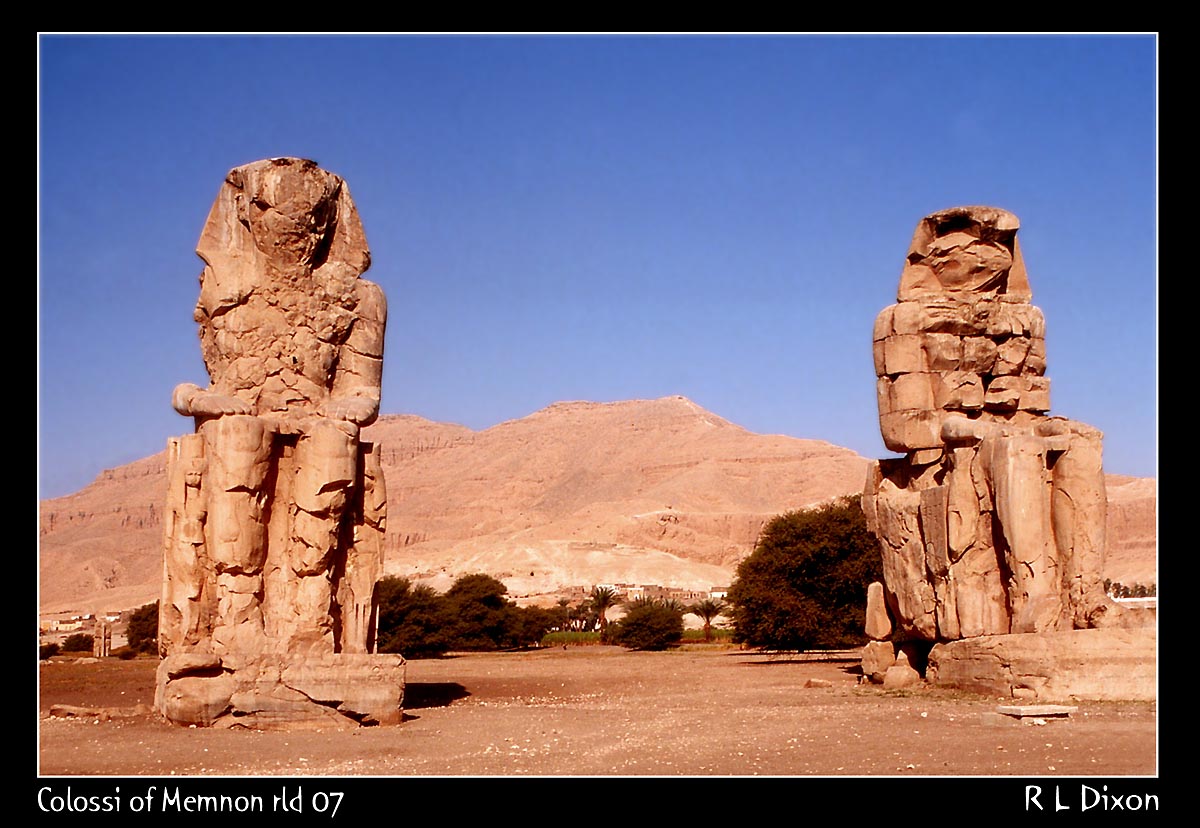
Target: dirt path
column 599, row 711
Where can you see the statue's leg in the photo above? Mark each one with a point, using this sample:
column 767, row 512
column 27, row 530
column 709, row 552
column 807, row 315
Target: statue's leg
column 184, row 610
column 238, row 449
column 326, row 471
column 896, row 519
column 1078, row 509
column 364, row 558
column 979, row 590
column 1021, row 491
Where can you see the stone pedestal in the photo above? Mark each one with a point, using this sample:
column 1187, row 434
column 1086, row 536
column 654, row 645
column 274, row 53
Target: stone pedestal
column 1059, row 666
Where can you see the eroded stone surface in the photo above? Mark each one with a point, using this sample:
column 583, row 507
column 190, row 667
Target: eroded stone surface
column 900, row 675
column 993, row 521
column 276, row 510
column 878, row 625
column 1109, row 663
column 877, row 658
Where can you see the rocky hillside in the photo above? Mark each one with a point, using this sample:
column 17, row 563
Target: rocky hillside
column 645, row 491
column 1132, row 531
column 657, row 491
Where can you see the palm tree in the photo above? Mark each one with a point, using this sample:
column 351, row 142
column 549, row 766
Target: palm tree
column 707, row 610
column 562, row 613
column 673, row 604
column 603, row 599
column 580, row 617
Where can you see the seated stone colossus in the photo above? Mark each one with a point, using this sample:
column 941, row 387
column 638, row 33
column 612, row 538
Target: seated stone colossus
column 275, row 517
column 993, row 520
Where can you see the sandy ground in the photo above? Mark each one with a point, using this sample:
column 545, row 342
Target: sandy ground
column 602, row 711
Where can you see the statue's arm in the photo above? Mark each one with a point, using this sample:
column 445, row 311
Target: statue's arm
column 356, row 386
column 193, row 401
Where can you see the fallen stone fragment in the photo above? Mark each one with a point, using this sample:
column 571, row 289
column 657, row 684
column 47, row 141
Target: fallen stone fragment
column 899, row 676
column 877, row 658
column 878, row 624
column 1044, row 711
column 104, row 714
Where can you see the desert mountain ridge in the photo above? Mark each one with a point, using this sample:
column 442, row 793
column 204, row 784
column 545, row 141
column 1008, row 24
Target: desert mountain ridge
column 577, row 493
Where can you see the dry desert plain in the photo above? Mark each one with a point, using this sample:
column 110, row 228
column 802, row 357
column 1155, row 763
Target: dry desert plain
column 700, row 710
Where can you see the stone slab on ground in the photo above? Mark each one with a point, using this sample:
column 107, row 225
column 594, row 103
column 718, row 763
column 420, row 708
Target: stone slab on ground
column 1043, row 711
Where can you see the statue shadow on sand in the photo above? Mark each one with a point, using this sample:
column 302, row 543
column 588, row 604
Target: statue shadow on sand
column 420, row 695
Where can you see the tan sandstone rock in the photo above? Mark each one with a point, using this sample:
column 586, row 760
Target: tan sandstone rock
column 899, row 676
column 993, row 521
column 879, row 624
column 275, row 515
column 1109, row 663
column 877, row 658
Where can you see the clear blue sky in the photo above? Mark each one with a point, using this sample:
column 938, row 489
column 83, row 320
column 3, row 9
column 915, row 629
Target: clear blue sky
column 600, row 218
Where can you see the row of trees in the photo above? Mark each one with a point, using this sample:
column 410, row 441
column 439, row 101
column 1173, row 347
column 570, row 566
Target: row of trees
column 475, row 614
column 1119, row 590
column 803, row 586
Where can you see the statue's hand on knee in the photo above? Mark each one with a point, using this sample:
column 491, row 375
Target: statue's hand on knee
column 959, row 429
column 193, row 401
column 357, row 410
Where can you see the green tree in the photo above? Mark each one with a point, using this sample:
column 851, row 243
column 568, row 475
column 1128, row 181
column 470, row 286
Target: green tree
column 562, row 614
column 413, row 620
column 602, row 600
column 77, row 643
column 582, row 617
column 474, row 614
column 706, row 611
column 530, row 625
column 649, row 625
column 805, row 584
column 142, row 632
column 482, row 618
column 674, row 604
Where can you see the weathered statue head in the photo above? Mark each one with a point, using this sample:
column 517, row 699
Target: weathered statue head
column 965, row 249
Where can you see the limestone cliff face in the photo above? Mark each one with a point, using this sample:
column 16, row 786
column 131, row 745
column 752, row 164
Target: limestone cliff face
column 644, row 491
column 101, row 547
column 1132, row 530
column 650, row 491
